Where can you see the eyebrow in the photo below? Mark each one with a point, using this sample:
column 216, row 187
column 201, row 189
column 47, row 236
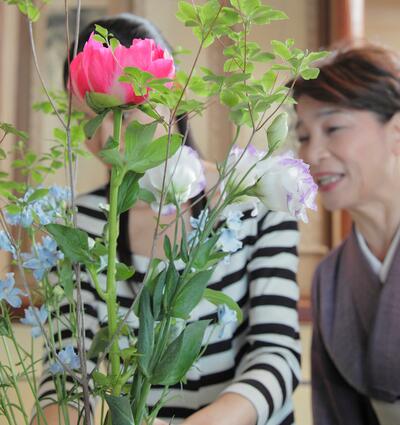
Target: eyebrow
column 323, row 113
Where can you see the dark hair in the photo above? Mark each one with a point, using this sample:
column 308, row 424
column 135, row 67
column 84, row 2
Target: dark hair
column 125, row 27
column 365, row 78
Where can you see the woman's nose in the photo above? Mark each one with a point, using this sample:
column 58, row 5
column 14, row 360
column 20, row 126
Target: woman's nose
column 314, row 150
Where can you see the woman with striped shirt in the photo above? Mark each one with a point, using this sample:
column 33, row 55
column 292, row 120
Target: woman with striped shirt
column 248, row 372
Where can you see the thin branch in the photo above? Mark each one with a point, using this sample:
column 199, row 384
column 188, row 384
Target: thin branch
column 36, row 62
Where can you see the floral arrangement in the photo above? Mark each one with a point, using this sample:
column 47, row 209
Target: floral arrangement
column 111, row 79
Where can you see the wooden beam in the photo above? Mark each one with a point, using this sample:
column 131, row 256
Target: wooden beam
column 347, row 20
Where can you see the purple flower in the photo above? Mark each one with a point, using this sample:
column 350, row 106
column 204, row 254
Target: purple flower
column 9, row 293
column 286, row 185
column 68, row 357
column 30, row 319
column 45, row 258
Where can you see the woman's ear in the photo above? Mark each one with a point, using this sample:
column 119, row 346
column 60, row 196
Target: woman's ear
column 394, row 132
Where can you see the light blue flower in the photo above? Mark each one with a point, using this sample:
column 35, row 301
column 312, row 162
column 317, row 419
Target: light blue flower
column 68, row 357
column 30, row 319
column 198, row 225
column 228, row 241
column 44, row 260
column 225, row 317
column 233, row 221
column 5, row 243
column 60, row 194
column 9, row 293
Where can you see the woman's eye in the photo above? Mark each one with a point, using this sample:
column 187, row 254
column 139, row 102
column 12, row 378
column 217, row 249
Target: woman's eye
column 303, row 139
column 332, row 129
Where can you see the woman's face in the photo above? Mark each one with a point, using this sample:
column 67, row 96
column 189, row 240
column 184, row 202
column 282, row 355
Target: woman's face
column 352, row 155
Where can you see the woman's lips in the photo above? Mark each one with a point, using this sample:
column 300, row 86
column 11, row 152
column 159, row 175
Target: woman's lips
column 328, row 181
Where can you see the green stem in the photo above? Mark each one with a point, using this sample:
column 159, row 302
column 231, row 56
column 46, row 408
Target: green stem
column 14, row 375
column 113, row 223
column 141, row 403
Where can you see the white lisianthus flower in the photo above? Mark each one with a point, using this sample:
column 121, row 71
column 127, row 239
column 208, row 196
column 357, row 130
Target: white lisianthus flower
column 286, row 185
column 245, row 174
column 184, row 179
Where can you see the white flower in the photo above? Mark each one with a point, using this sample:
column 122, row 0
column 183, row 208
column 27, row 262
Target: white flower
column 286, row 185
column 245, row 173
column 184, row 179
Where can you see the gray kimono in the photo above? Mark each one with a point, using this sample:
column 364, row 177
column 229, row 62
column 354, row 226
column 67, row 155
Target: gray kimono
column 356, row 337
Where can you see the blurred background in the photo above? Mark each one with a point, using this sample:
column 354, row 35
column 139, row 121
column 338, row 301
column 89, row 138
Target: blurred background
column 313, row 24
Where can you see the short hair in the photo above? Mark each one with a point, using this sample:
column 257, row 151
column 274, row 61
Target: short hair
column 365, row 77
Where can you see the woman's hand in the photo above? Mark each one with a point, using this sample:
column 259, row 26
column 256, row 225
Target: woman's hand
column 229, row 409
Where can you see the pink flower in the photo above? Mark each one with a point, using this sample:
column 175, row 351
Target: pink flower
column 97, row 69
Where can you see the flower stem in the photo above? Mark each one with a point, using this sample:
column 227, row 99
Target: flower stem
column 113, row 223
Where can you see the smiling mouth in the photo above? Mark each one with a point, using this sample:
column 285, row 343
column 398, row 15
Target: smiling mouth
column 325, row 181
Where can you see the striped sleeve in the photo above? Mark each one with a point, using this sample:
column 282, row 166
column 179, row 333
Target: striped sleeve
column 270, row 370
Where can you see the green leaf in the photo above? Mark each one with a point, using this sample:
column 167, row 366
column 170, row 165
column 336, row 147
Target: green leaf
column 158, row 293
column 121, row 411
column 92, row 125
column 114, row 43
column 3, row 154
column 128, row 192
column 190, row 294
column 146, row 196
column 5, row 328
column 72, row 242
column 137, row 137
column 101, row 30
column 145, row 342
column 229, row 98
column 204, row 252
column 38, row 194
column 171, row 284
column 66, row 280
column 13, row 209
column 99, row 343
column 180, row 355
column 123, row 272
column 33, row 13
column 281, row 49
column 101, row 379
column 100, row 101
column 10, row 129
column 310, row 73
column 219, row 298
column 277, row 131
column 111, row 154
column 156, row 153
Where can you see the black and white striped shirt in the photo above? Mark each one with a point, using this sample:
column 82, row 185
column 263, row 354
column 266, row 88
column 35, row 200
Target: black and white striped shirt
column 258, row 359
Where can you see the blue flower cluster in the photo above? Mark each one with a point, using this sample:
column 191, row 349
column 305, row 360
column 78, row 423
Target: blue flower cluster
column 229, row 237
column 43, row 258
column 5, row 243
column 46, row 209
column 35, row 320
column 225, row 317
column 67, row 357
column 9, row 293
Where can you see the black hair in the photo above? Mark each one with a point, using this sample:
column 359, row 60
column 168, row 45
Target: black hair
column 126, row 27
column 365, row 77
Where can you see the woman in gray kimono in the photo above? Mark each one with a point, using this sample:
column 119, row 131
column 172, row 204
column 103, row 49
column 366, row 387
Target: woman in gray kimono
column 349, row 131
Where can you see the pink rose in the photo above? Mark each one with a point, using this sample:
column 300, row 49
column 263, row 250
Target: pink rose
column 97, row 69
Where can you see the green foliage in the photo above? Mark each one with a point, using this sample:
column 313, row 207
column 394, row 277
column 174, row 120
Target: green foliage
column 190, row 294
column 219, row 298
column 145, row 341
column 99, row 343
column 277, row 132
column 128, row 192
column 72, row 242
column 180, row 355
column 120, row 407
